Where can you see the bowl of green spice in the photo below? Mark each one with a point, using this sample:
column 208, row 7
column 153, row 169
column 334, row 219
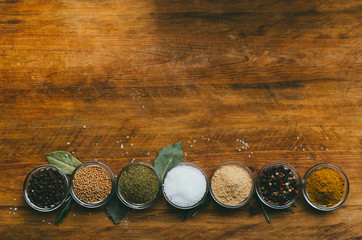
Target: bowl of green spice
column 138, row 185
column 325, row 187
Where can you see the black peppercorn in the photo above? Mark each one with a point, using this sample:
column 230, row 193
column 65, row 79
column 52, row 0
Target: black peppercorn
column 277, row 185
column 46, row 188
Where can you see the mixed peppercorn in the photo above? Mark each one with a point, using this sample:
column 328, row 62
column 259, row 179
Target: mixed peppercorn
column 278, row 185
column 47, row 188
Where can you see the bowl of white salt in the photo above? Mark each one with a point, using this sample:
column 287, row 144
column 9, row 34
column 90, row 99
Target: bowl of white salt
column 185, row 185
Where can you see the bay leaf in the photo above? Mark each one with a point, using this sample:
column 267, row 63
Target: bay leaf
column 167, row 157
column 116, row 209
column 64, row 160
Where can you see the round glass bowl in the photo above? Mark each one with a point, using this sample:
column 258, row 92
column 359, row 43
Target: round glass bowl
column 227, row 190
column 323, row 207
column 136, row 205
column 92, row 179
column 278, row 167
column 189, row 164
column 34, row 173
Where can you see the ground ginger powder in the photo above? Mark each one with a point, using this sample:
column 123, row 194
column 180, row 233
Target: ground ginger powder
column 231, row 184
column 325, row 187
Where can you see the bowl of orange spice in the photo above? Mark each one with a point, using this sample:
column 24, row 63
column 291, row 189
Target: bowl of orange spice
column 325, row 187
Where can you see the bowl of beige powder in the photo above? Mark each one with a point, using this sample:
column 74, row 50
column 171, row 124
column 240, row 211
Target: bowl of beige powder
column 231, row 184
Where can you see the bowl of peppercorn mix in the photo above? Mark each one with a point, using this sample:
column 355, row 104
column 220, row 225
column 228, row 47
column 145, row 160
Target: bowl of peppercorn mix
column 46, row 188
column 92, row 184
column 278, row 185
column 325, row 187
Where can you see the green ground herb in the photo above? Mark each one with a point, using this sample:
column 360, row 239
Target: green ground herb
column 138, row 184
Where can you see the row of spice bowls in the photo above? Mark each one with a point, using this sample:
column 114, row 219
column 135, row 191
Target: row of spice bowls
column 185, row 185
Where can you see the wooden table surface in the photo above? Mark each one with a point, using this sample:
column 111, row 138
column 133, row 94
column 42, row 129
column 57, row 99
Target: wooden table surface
column 283, row 76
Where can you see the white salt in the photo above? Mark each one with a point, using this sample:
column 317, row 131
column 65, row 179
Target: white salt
column 121, row 146
column 184, row 185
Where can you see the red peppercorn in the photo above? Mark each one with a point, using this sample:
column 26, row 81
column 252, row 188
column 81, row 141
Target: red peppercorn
column 281, row 189
column 296, row 191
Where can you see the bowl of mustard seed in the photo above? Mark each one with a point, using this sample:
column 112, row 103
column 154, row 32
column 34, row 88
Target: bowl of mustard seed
column 138, row 185
column 325, row 187
column 92, row 184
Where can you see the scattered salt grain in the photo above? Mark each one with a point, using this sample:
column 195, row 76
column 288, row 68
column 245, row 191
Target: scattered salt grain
column 239, row 150
column 190, row 145
column 89, row 213
column 68, row 143
column 43, row 220
column 127, row 137
column 208, row 139
column 298, row 138
column 327, row 138
column 249, row 155
column 188, row 141
column 121, row 146
column 185, row 154
column 84, row 126
column 13, row 213
column 194, row 141
column 148, row 153
column 237, row 140
column 327, row 149
column 308, row 157
column 242, row 147
column 72, row 152
column 117, row 141
column 14, row 199
column 131, row 144
column 303, row 149
column 11, row 208
column 202, row 136
column 126, row 152
column 184, row 185
column 49, row 223
column 73, row 214
column 143, row 107
column 15, row 209
column 322, row 148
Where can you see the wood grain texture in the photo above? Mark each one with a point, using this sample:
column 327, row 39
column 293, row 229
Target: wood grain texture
column 284, row 76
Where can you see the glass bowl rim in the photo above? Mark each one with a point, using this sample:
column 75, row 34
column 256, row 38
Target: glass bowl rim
column 99, row 203
column 138, row 206
column 27, row 179
column 296, row 174
column 247, row 199
column 194, row 165
column 320, row 207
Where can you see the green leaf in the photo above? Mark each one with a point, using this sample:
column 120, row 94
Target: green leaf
column 64, row 160
column 167, row 157
column 65, row 210
column 116, row 209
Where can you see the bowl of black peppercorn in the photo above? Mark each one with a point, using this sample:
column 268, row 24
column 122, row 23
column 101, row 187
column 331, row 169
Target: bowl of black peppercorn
column 278, row 185
column 46, row 188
